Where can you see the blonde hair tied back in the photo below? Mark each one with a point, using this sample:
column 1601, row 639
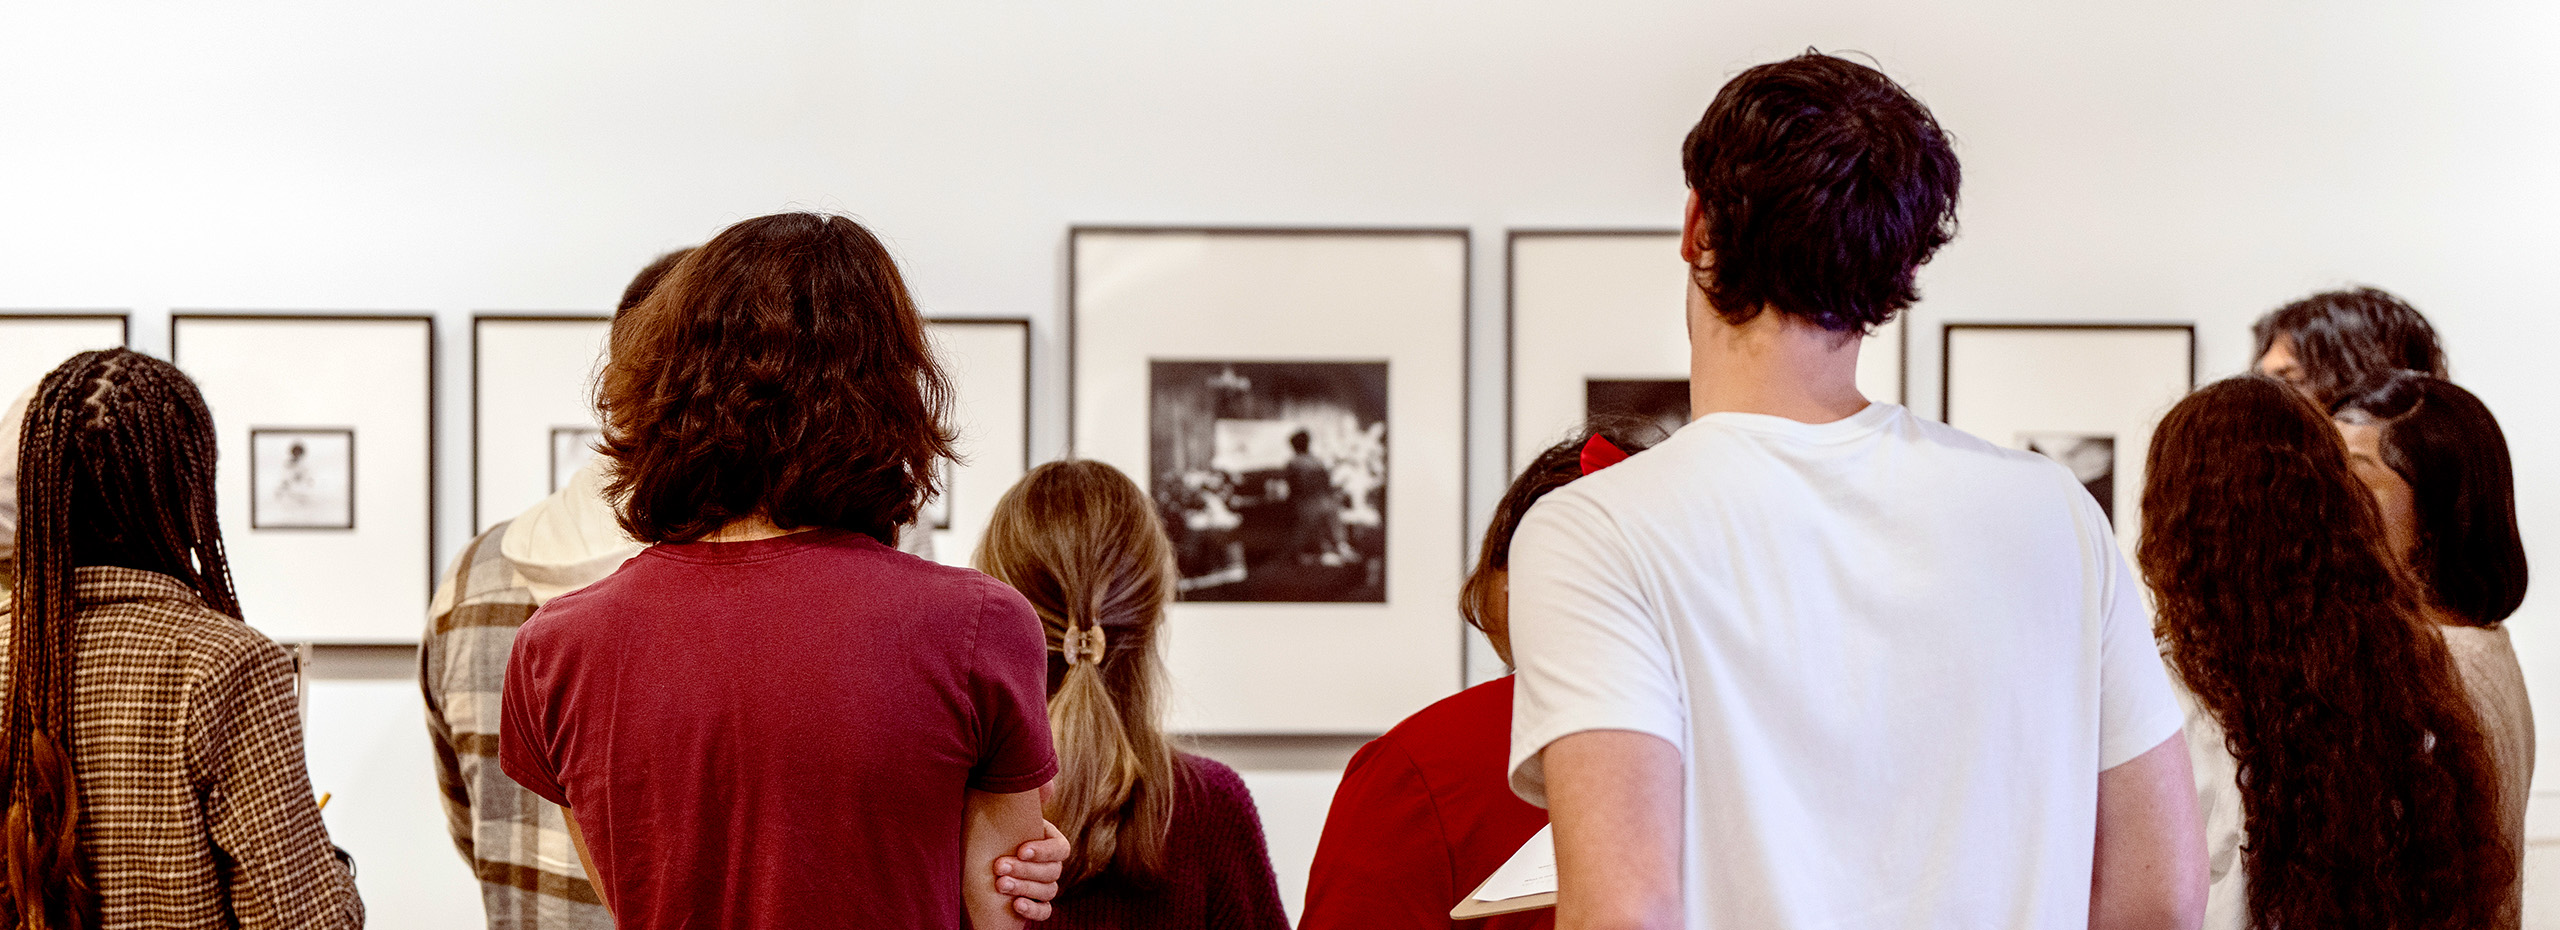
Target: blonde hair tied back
column 1083, row 544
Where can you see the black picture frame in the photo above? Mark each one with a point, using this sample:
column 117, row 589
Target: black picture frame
column 1947, row 343
column 123, row 320
column 427, row 330
column 1029, row 349
column 257, row 480
column 588, row 318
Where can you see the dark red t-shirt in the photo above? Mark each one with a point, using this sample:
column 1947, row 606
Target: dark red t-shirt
column 1424, row 815
column 778, row 733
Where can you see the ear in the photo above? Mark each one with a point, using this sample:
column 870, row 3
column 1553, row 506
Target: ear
column 1693, row 231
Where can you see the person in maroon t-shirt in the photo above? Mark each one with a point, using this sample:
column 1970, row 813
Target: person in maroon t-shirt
column 1164, row 840
column 771, row 718
column 1425, row 813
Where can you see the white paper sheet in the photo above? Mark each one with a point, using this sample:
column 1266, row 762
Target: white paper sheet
column 1530, row 871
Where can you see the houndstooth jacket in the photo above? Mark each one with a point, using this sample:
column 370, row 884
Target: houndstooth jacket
column 197, row 810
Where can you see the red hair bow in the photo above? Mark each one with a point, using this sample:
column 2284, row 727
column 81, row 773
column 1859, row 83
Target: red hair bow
column 1599, row 453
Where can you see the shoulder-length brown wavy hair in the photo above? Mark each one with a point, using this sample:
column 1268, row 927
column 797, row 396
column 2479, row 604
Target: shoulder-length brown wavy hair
column 779, row 370
column 2370, row 798
column 1085, row 547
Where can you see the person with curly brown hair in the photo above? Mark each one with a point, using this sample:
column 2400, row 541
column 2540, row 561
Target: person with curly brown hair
column 771, row 717
column 2344, row 776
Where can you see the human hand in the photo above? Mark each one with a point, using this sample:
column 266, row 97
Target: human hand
column 1031, row 874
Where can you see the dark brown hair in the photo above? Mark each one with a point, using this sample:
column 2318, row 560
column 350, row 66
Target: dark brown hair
column 2344, row 337
column 2444, row 442
column 2369, row 795
column 1824, row 186
column 1084, row 546
column 1557, row 466
column 115, row 467
column 779, row 370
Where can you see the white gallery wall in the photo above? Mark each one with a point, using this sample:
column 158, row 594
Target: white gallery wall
column 2163, row 161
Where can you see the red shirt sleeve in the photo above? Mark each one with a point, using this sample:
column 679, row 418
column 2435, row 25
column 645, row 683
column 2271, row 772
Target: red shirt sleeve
column 1384, row 860
column 1010, row 682
column 524, row 739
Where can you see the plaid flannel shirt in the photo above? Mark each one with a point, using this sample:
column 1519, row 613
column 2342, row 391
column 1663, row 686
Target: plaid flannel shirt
column 197, row 811
column 517, row 843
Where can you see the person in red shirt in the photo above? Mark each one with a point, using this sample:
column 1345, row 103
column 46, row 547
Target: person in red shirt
column 1164, row 840
column 770, row 717
column 1425, row 813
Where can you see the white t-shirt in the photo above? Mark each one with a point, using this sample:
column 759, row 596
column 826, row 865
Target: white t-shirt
column 1894, row 657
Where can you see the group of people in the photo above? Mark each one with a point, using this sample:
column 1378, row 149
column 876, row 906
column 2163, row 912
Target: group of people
column 1807, row 661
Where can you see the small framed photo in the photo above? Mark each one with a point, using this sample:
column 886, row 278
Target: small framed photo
column 1598, row 318
column 533, row 421
column 2086, row 395
column 1294, row 402
column 326, row 545
column 989, row 364
column 302, row 479
column 1272, row 478
column 33, row 344
column 571, row 447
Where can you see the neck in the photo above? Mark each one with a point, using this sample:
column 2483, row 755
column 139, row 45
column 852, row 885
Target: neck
column 1776, row 364
column 748, row 529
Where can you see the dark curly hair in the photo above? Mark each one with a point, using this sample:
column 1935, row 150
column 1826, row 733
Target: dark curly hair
column 2443, row 441
column 779, row 370
column 2344, row 337
column 1823, row 187
column 2368, row 791
column 1479, row 602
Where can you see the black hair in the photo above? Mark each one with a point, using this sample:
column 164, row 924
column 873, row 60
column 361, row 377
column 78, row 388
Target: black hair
column 2344, row 337
column 1554, row 468
column 2442, row 440
column 1824, row 186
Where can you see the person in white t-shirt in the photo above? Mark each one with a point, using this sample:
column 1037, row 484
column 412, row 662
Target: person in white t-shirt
column 1813, row 661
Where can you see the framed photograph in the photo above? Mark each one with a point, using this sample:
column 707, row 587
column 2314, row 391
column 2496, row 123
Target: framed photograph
column 571, row 447
column 1595, row 313
column 1255, row 382
column 302, row 479
column 989, row 363
column 326, row 546
column 33, row 344
column 533, row 420
column 2085, row 394
column 1272, row 478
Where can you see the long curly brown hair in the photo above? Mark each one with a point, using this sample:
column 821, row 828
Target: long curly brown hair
column 2369, row 794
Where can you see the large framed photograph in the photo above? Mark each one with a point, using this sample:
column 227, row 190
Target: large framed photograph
column 533, row 421
column 326, row 470
column 1598, row 325
column 2085, row 394
column 989, row 363
column 33, row 344
column 1295, row 402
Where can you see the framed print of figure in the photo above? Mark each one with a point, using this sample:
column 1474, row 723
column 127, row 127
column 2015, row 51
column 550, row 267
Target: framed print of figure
column 989, row 364
column 2085, row 394
column 1598, row 321
column 533, row 417
column 1295, row 402
column 326, row 476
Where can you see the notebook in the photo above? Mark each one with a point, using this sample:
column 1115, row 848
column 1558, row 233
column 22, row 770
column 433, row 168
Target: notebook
column 1525, row 882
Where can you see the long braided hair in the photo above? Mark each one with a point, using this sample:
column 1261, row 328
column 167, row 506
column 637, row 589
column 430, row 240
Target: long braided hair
column 115, row 468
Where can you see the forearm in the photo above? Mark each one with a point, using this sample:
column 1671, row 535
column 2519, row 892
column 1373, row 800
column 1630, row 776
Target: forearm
column 1615, row 797
column 998, row 824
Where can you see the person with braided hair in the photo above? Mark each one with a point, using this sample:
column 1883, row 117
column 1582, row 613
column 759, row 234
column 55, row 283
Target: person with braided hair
column 1163, row 839
column 153, row 754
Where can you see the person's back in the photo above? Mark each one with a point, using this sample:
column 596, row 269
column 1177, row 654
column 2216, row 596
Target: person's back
column 1889, row 638
column 812, row 715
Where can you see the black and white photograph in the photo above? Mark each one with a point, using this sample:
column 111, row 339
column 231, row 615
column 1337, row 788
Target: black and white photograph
column 2091, row 458
column 1662, row 404
column 571, row 447
column 936, row 511
column 302, row 479
column 1272, row 478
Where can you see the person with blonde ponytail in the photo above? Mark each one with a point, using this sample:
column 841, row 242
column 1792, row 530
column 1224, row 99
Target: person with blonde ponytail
column 1163, row 839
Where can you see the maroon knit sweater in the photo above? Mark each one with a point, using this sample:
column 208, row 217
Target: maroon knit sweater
column 1218, row 875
